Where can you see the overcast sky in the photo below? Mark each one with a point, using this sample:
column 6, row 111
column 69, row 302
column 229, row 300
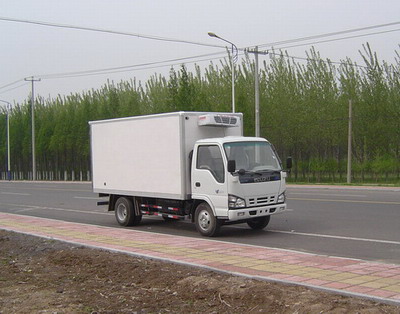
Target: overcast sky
column 33, row 50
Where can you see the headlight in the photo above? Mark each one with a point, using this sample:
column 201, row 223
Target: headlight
column 281, row 198
column 236, row 202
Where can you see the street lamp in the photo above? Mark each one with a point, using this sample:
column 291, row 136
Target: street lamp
column 234, row 57
column 8, row 138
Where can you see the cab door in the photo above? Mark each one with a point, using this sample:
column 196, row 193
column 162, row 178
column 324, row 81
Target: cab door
column 209, row 178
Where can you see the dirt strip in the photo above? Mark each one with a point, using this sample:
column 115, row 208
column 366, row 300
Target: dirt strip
column 39, row 275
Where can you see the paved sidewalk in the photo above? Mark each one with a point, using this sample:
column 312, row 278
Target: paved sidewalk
column 372, row 280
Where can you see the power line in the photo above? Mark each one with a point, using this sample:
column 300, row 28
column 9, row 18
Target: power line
column 311, row 59
column 284, row 42
column 341, row 38
column 143, row 66
column 139, row 68
column 330, row 40
column 113, row 32
column 10, row 89
column 152, row 64
column 124, row 68
column 10, row 84
column 157, row 64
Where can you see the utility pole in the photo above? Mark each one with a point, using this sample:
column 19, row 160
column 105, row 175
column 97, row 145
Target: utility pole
column 8, row 143
column 257, row 89
column 33, row 80
column 349, row 139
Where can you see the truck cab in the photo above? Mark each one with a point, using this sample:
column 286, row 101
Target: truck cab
column 237, row 179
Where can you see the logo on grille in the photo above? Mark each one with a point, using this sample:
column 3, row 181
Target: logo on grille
column 262, row 179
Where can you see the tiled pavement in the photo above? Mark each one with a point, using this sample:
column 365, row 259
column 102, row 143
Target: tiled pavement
column 374, row 280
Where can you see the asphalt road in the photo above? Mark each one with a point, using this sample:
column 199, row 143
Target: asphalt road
column 359, row 223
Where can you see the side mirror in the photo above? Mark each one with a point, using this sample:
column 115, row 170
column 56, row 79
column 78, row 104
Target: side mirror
column 289, row 163
column 231, row 166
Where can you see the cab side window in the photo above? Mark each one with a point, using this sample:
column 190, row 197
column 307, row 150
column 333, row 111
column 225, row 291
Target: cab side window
column 209, row 158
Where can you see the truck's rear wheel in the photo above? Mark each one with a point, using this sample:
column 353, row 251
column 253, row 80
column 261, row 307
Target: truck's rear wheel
column 125, row 212
column 206, row 223
column 259, row 222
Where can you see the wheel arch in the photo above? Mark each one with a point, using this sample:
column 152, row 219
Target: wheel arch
column 197, row 202
column 126, row 211
column 112, row 201
column 115, row 197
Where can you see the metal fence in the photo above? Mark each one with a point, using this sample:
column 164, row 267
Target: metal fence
column 47, row 176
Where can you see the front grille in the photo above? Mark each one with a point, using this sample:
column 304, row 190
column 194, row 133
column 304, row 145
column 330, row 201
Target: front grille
column 263, row 200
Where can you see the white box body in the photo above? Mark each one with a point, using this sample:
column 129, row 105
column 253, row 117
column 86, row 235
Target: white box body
column 149, row 155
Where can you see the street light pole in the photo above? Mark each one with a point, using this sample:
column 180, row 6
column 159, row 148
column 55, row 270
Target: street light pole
column 8, row 139
column 257, row 94
column 33, row 80
column 233, row 58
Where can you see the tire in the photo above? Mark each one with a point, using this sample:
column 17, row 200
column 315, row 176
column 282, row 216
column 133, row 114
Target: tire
column 125, row 212
column 259, row 222
column 206, row 223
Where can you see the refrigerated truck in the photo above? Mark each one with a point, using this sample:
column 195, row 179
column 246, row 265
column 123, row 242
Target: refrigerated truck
column 186, row 165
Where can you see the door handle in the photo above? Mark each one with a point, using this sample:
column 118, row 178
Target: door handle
column 197, row 184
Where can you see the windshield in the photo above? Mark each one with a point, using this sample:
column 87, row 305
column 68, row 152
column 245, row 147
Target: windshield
column 252, row 156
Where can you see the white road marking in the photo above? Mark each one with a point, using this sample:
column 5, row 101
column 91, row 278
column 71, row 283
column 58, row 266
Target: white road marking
column 87, row 198
column 321, row 194
column 336, row 237
column 20, row 210
column 317, row 235
column 304, row 234
column 343, row 201
column 31, row 207
column 12, row 193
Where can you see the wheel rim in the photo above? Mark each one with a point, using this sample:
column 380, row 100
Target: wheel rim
column 122, row 212
column 204, row 220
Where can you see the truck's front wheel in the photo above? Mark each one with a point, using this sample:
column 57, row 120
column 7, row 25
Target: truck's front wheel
column 125, row 212
column 206, row 223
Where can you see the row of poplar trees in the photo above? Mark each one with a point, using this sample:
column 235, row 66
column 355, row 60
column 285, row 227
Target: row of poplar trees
column 303, row 112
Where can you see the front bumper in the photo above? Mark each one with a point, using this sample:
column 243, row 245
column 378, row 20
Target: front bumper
column 254, row 212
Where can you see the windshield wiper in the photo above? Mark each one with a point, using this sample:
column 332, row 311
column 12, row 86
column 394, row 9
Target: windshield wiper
column 268, row 170
column 243, row 172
